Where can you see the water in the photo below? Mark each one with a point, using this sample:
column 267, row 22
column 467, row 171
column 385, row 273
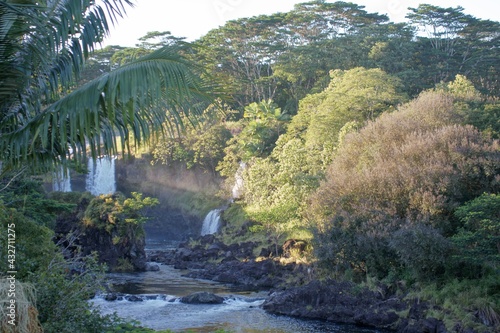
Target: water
column 238, row 183
column 211, row 223
column 160, row 308
column 61, row 181
column 101, row 176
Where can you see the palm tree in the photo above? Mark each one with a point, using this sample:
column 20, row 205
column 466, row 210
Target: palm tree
column 43, row 47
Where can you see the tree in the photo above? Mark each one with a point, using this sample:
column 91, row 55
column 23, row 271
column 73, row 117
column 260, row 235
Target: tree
column 401, row 177
column 358, row 94
column 478, row 240
column 457, row 43
column 43, row 47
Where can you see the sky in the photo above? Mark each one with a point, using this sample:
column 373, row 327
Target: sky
column 194, row 18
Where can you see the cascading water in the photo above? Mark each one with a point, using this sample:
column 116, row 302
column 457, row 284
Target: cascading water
column 61, row 181
column 238, row 183
column 211, row 223
column 101, row 176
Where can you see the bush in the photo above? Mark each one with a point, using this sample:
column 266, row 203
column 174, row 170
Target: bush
column 478, row 239
column 409, row 168
column 422, row 250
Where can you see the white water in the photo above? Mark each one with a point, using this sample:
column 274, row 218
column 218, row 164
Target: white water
column 159, row 307
column 238, row 183
column 61, row 182
column 101, row 176
column 211, row 223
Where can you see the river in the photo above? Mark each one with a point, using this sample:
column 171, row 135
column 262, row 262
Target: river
column 155, row 304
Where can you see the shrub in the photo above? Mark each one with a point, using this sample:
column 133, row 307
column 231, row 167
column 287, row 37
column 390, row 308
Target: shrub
column 478, row 239
column 422, row 250
column 408, row 168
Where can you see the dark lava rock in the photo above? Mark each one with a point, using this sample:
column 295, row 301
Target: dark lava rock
column 251, row 274
column 133, row 298
column 339, row 302
column 111, row 297
column 202, row 297
column 427, row 325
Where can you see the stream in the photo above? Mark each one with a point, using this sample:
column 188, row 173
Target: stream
column 152, row 298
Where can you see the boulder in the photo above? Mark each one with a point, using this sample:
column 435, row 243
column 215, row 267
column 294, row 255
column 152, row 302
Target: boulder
column 338, row 302
column 202, row 297
column 152, row 267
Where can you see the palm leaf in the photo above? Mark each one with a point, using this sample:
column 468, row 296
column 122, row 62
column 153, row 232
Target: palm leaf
column 137, row 98
column 43, row 46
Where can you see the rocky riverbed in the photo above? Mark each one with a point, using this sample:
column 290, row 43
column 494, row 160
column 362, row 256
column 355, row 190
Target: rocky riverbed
column 294, row 291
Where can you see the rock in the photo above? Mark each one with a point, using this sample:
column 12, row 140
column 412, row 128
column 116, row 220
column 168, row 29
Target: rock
column 124, row 255
column 133, row 298
column 111, row 297
column 152, row 267
column 338, row 302
column 202, row 297
column 229, row 258
column 185, row 254
column 293, row 245
column 424, row 325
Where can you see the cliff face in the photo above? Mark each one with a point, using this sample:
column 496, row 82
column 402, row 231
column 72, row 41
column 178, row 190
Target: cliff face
column 94, row 227
column 126, row 255
column 102, row 228
column 166, row 221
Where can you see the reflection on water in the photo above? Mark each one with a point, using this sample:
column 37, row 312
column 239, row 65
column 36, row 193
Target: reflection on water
column 157, row 306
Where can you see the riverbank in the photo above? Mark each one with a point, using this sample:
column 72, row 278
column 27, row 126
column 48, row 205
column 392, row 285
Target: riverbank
column 162, row 300
column 294, row 290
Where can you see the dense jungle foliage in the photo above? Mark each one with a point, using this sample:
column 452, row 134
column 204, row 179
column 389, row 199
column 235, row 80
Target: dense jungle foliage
column 375, row 142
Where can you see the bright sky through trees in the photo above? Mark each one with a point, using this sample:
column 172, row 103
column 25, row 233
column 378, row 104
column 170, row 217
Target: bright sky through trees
column 194, row 18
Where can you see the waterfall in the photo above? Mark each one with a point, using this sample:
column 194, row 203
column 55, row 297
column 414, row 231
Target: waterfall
column 211, row 223
column 101, row 176
column 61, row 181
column 238, row 183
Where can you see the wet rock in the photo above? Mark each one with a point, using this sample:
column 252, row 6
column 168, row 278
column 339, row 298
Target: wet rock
column 202, row 298
column 133, row 298
column 111, row 297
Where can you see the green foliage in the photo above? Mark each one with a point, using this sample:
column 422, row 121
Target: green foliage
column 200, row 147
column 62, row 287
column 422, row 250
column 27, row 195
column 276, row 221
column 119, row 216
column 474, row 303
column 478, row 240
column 405, row 169
column 294, row 169
column 448, row 37
column 261, row 126
column 34, row 246
column 44, row 47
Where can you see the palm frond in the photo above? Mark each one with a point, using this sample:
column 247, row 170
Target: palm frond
column 137, row 98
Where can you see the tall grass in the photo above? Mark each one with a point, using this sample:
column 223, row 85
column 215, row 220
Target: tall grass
column 26, row 314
